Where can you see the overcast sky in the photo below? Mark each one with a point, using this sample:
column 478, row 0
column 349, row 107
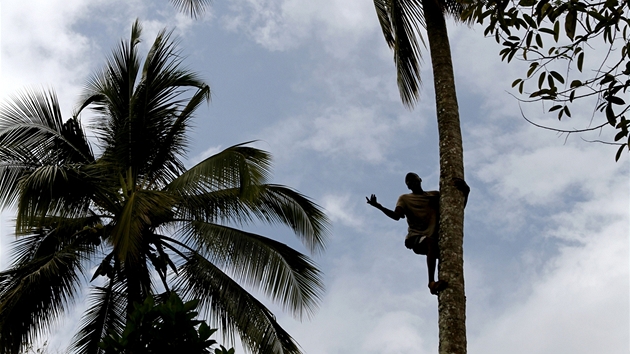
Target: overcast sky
column 547, row 222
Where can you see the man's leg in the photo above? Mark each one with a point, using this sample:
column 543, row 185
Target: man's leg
column 432, row 255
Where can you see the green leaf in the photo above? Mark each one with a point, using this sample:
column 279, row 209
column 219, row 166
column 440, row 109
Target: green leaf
column 569, row 24
column 575, row 83
column 580, row 61
column 615, row 100
column 599, row 17
column 555, row 108
column 532, row 68
column 556, row 31
column 511, row 55
column 539, row 41
column 530, row 21
column 527, row 3
column 487, row 31
column 204, row 331
column 618, row 155
column 557, row 76
column 620, row 135
column 546, row 30
column 528, row 39
column 541, row 79
column 544, row 10
column 516, row 82
column 607, row 78
column 550, row 81
column 610, row 115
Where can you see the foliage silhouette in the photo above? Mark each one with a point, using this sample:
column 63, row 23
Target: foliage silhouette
column 125, row 204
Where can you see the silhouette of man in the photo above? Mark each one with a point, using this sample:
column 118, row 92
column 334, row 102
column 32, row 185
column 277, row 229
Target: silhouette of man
column 421, row 209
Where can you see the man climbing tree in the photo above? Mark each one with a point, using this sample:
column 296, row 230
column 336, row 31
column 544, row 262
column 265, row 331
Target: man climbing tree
column 421, row 209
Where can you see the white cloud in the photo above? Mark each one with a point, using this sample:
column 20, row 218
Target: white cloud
column 540, row 176
column 203, row 155
column 282, row 25
column 357, row 132
column 340, row 209
column 347, row 133
column 578, row 305
column 41, row 48
column 366, row 311
column 396, row 332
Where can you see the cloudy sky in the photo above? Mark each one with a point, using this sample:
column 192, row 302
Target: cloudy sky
column 547, row 222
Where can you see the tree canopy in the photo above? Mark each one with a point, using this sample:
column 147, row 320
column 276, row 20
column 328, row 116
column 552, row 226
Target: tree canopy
column 167, row 327
column 112, row 202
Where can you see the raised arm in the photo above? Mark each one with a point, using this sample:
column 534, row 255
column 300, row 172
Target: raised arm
column 396, row 214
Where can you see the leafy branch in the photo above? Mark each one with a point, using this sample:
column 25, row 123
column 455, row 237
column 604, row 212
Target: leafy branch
column 557, row 38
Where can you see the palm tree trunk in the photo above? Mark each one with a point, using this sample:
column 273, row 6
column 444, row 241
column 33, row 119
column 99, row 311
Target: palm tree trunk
column 452, row 301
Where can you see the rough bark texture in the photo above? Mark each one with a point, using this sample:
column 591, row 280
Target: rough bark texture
column 452, row 301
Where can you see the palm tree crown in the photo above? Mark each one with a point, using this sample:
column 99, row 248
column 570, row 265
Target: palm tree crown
column 123, row 211
column 401, row 22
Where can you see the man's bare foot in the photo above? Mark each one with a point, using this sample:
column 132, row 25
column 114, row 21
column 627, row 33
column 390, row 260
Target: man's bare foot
column 437, row 286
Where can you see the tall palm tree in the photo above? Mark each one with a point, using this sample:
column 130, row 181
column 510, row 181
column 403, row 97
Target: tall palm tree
column 401, row 22
column 122, row 210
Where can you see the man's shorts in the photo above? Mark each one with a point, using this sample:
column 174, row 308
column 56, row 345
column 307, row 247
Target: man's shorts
column 420, row 244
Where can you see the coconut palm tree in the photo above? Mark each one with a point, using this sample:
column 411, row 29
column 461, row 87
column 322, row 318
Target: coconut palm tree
column 122, row 211
column 401, row 22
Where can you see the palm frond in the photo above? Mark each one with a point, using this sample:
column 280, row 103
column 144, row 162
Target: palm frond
column 105, row 315
column 35, row 293
column 282, row 273
column 238, row 166
column 232, row 309
column 52, row 190
column 193, row 8
column 222, row 206
column 454, row 8
column 32, row 135
column 32, row 122
column 281, row 204
column 401, row 21
column 163, row 109
column 143, row 126
column 56, row 234
column 166, row 166
column 110, row 94
column 274, row 204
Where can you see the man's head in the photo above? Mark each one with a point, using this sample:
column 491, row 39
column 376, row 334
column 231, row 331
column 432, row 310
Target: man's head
column 413, row 182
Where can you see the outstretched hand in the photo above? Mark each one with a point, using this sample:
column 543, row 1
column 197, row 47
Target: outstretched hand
column 372, row 201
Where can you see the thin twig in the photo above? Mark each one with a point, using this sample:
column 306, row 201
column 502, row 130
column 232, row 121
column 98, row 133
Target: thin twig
column 560, row 130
